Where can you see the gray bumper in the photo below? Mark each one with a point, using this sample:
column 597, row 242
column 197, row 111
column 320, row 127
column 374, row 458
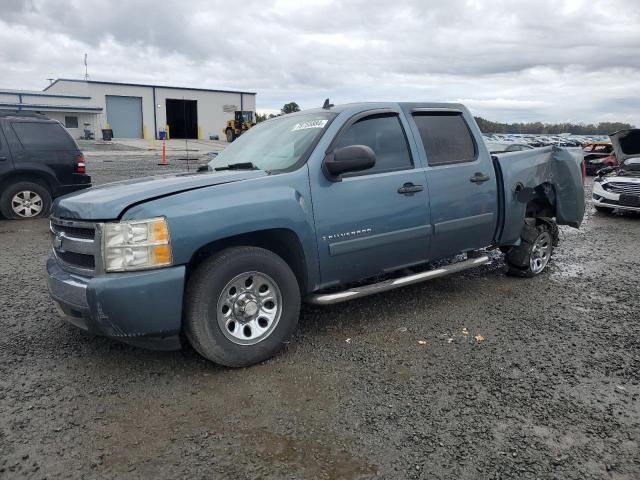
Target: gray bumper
column 140, row 308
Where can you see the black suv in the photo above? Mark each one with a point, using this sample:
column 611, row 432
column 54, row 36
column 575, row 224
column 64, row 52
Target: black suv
column 39, row 161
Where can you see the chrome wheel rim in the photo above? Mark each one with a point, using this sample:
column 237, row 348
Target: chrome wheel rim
column 249, row 308
column 540, row 253
column 26, row 204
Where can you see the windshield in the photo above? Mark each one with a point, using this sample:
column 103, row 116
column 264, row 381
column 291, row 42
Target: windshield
column 276, row 144
column 247, row 117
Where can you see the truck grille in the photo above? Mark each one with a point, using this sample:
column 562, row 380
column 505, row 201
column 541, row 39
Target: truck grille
column 623, row 188
column 75, row 245
column 77, row 259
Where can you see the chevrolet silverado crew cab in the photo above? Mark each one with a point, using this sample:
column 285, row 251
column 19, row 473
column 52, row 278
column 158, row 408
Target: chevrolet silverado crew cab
column 39, row 161
column 310, row 206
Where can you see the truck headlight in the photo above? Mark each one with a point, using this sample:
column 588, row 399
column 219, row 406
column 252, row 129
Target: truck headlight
column 136, row 245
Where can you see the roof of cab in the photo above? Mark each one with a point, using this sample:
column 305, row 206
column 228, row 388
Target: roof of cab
column 362, row 106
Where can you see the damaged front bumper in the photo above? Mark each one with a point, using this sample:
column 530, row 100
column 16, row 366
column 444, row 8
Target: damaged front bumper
column 606, row 199
column 140, row 308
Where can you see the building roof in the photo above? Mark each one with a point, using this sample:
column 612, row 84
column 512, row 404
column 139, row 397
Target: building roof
column 37, row 93
column 68, row 108
column 145, row 85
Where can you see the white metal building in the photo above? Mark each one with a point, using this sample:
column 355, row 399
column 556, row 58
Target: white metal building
column 133, row 110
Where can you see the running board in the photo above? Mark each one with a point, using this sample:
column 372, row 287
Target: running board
column 331, row 298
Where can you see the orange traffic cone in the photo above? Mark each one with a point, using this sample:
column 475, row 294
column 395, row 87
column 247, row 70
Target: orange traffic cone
column 164, row 162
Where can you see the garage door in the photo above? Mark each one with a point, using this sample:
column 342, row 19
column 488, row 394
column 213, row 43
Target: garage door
column 124, row 115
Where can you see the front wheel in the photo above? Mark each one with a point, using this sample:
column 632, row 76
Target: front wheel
column 532, row 256
column 230, row 135
column 241, row 306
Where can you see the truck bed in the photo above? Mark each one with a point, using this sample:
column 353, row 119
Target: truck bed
column 521, row 175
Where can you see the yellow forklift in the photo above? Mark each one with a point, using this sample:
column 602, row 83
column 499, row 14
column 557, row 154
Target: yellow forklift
column 242, row 122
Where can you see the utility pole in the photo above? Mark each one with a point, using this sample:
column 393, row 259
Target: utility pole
column 86, row 68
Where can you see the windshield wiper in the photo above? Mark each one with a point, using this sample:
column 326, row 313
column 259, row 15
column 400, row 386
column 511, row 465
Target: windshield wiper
column 238, row 166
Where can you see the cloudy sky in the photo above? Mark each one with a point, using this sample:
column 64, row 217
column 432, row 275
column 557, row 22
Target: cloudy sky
column 517, row 60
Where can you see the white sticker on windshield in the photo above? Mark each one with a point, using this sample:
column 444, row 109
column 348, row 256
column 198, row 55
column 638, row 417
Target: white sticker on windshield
column 309, row 124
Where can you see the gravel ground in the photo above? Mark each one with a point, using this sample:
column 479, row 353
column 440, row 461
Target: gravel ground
column 391, row 386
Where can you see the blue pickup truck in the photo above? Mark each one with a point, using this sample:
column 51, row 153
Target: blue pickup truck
column 323, row 206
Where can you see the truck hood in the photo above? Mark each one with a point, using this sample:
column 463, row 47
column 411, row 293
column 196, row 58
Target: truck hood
column 109, row 201
column 626, row 144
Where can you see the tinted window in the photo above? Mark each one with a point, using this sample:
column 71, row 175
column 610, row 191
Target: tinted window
column 71, row 122
column 385, row 136
column 39, row 135
column 446, row 138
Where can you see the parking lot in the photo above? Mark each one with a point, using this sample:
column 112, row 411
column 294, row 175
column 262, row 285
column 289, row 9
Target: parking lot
column 477, row 375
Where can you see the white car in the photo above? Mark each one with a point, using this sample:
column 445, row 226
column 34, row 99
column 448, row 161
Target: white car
column 619, row 187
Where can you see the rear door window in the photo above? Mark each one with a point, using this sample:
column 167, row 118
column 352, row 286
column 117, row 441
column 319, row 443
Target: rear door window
column 385, row 136
column 446, row 138
column 42, row 135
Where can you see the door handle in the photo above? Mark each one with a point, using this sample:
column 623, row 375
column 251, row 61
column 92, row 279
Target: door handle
column 409, row 189
column 479, row 177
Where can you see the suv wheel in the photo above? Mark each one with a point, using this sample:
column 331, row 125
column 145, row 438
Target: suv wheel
column 532, row 256
column 25, row 200
column 241, row 306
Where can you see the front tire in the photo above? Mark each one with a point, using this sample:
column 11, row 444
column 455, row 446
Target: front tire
column 241, row 306
column 230, row 135
column 25, row 201
column 532, row 256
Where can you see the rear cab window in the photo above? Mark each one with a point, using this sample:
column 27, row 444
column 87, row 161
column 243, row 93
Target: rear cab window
column 43, row 135
column 446, row 137
column 383, row 133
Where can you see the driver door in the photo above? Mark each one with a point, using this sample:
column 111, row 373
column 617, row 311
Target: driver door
column 371, row 222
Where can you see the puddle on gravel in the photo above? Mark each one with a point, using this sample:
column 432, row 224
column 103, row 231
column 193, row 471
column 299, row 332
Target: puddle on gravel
column 563, row 270
column 228, row 443
column 225, row 417
column 316, row 460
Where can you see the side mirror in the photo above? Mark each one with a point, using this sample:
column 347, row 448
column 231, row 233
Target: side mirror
column 203, row 168
column 353, row 158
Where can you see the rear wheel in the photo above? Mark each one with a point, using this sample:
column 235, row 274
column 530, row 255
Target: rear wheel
column 241, row 306
column 603, row 209
column 230, row 135
column 25, row 200
column 532, row 256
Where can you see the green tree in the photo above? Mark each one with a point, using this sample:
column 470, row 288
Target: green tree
column 261, row 117
column 602, row 128
column 290, row 107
